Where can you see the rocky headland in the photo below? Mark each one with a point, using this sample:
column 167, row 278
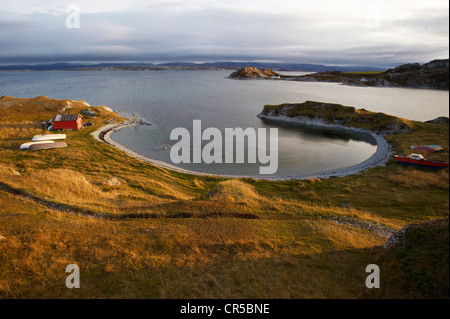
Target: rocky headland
column 253, row 73
column 335, row 115
column 432, row 75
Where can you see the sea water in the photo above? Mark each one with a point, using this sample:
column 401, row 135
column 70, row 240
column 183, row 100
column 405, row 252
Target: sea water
column 169, row 99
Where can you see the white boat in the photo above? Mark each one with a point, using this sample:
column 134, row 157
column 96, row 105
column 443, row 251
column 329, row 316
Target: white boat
column 25, row 146
column 46, row 146
column 47, row 137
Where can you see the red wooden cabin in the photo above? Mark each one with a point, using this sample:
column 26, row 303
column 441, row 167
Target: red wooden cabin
column 67, row 122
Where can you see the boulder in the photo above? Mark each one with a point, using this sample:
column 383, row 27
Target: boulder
column 14, row 173
column 397, row 238
column 113, row 181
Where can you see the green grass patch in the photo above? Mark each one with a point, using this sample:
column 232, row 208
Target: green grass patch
column 425, row 257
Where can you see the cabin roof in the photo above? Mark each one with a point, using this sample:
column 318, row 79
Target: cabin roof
column 65, row 118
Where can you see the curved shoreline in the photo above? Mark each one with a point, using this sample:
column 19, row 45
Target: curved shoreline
column 379, row 158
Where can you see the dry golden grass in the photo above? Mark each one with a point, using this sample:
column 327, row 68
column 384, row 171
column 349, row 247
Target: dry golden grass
column 193, row 258
column 205, row 237
column 424, row 134
column 12, row 108
column 413, row 178
column 234, row 190
column 6, row 171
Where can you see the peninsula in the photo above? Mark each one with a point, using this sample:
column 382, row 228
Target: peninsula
column 432, row 75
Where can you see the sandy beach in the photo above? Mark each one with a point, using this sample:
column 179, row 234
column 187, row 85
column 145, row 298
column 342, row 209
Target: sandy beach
column 379, row 158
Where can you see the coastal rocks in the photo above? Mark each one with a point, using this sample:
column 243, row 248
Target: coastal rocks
column 360, row 123
column 379, row 83
column 253, row 73
column 134, row 119
column 398, row 127
column 142, row 122
column 90, row 113
column 432, row 75
column 282, row 115
column 398, row 238
column 437, row 64
column 319, row 113
column 439, row 120
column 406, row 67
column 106, row 108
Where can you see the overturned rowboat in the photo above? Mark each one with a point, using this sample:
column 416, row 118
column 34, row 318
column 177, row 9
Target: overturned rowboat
column 48, row 137
column 420, row 161
column 26, row 145
column 427, row 148
column 46, row 146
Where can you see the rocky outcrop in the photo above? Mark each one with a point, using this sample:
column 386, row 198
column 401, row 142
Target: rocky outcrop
column 113, row 181
column 326, row 114
column 432, row 75
column 89, row 112
column 398, row 238
column 439, row 120
column 253, row 73
column 361, row 124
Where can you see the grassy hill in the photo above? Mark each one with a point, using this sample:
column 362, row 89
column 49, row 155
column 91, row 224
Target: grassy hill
column 331, row 113
column 164, row 234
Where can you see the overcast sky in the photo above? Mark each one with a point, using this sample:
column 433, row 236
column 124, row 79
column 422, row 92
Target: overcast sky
column 349, row 32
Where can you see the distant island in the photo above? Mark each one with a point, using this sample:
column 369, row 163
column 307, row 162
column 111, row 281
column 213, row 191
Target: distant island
column 184, row 66
column 432, row 75
column 254, row 73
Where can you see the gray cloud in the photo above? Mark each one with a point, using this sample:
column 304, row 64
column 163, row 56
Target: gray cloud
column 170, row 31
